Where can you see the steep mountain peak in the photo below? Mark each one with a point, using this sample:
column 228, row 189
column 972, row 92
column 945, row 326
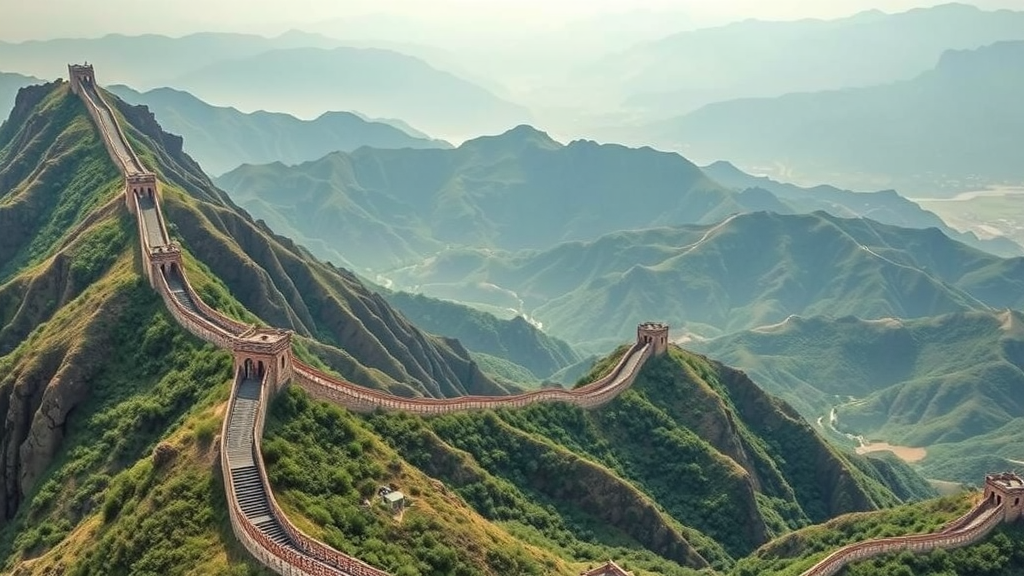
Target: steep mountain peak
column 514, row 140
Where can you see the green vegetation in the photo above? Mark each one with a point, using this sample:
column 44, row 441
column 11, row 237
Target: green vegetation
column 793, row 553
column 41, row 208
column 350, row 329
column 753, row 270
column 9, row 86
column 326, row 466
column 1001, row 554
column 951, row 384
column 515, row 340
column 504, row 371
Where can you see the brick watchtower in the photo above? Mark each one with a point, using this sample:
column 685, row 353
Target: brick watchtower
column 1006, row 490
column 654, row 333
column 163, row 259
column 266, row 352
column 143, row 187
column 79, row 74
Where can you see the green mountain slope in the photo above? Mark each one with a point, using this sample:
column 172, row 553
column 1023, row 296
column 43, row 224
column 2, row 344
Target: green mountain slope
column 380, row 208
column 879, row 136
column 357, row 333
column 698, row 439
column 953, row 382
column 515, row 340
column 111, row 412
column 750, row 270
column 885, row 206
column 221, row 138
column 94, row 373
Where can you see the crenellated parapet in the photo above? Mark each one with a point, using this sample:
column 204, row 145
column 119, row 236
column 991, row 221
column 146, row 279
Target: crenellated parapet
column 1006, row 490
column 655, row 334
column 79, row 75
column 266, row 353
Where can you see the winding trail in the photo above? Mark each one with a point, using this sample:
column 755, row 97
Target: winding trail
column 264, row 363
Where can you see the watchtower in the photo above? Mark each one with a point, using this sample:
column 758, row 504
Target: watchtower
column 1006, row 490
column 142, row 186
column 163, row 259
column 81, row 74
column 655, row 334
column 265, row 352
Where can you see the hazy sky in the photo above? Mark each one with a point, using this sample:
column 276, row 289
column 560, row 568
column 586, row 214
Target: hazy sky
column 41, row 19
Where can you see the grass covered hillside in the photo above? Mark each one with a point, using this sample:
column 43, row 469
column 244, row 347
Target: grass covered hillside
column 380, row 208
column 749, row 270
column 951, row 384
column 109, row 411
column 222, row 138
column 348, row 327
column 515, row 339
column 693, row 467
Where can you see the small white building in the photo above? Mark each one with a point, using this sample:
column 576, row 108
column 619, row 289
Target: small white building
column 394, row 500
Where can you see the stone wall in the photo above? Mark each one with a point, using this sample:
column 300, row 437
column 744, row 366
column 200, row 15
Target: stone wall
column 329, row 388
column 985, row 518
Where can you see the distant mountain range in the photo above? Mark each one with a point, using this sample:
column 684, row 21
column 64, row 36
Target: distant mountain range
column 886, row 206
column 377, row 209
column 307, row 81
column 299, row 73
column 146, row 61
column 751, row 270
column 222, row 138
column 752, row 58
column 959, row 126
column 953, row 384
column 9, row 86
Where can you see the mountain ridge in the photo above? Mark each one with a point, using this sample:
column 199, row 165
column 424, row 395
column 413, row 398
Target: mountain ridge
column 222, row 138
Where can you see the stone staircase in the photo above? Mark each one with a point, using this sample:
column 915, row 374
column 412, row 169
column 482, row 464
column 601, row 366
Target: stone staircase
column 249, row 491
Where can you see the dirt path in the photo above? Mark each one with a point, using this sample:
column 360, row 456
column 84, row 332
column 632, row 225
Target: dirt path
column 905, row 453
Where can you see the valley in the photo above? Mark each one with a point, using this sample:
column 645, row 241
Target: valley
column 353, row 297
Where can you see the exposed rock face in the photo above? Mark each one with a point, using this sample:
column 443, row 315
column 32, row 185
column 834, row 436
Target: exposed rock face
column 37, row 396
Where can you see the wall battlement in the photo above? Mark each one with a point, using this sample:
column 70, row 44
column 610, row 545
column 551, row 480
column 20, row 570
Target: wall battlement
column 654, row 333
column 79, row 74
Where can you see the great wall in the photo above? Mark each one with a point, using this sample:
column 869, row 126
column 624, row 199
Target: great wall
column 264, row 364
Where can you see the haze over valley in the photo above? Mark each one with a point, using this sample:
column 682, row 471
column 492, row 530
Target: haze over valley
column 607, row 288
